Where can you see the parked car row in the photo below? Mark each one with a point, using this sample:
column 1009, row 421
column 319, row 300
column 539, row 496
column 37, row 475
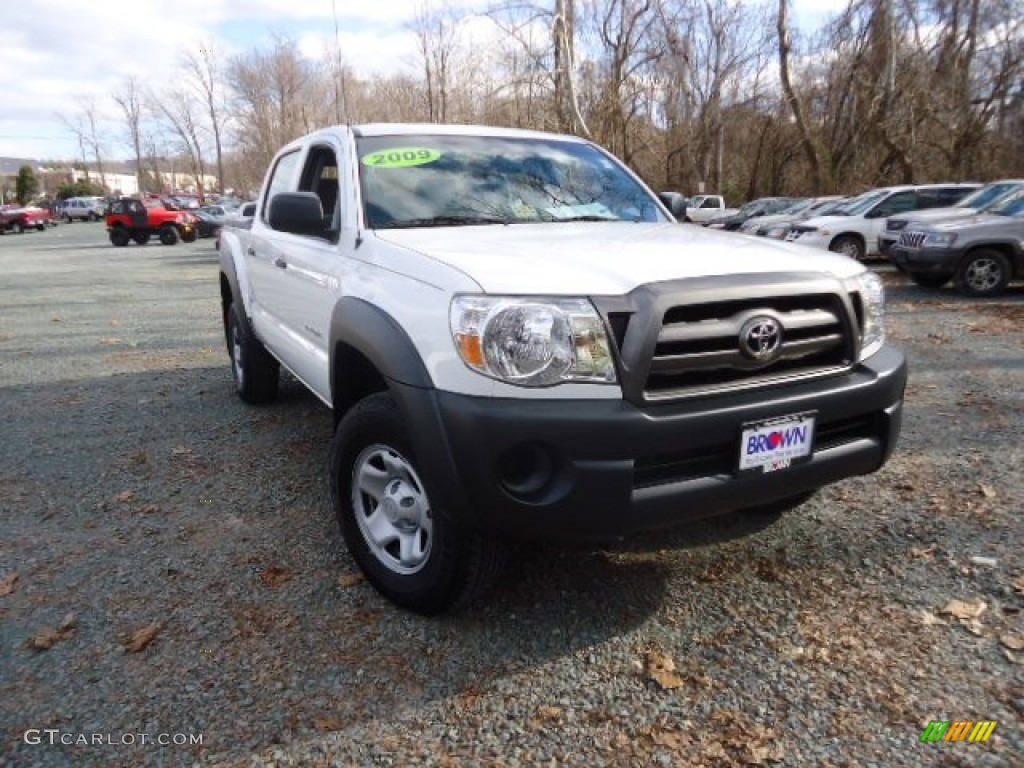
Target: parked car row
column 18, row 219
column 969, row 233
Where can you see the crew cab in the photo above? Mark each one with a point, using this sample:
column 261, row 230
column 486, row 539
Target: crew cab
column 139, row 219
column 854, row 230
column 517, row 340
column 983, row 253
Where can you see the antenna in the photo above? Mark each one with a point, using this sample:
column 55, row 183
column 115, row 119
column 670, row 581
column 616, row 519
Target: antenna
column 340, row 100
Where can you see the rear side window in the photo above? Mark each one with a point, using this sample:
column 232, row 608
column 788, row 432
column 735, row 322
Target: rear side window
column 280, row 179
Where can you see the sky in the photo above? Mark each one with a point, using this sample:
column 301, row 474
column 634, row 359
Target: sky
column 55, row 54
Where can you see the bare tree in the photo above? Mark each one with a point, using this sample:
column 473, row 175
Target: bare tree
column 179, row 111
column 794, row 102
column 436, row 40
column 206, row 78
column 130, row 101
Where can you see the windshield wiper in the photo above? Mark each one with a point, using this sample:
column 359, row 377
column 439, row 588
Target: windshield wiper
column 442, row 221
column 585, row 217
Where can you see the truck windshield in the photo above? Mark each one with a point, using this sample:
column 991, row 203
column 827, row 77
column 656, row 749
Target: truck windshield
column 1011, row 205
column 443, row 180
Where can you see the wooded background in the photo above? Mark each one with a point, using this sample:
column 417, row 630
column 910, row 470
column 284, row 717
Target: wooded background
column 720, row 95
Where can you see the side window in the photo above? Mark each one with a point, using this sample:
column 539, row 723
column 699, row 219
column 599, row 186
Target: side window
column 929, row 198
column 952, row 196
column 709, row 203
column 280, row 180
column 897, row 203
column 320, row 176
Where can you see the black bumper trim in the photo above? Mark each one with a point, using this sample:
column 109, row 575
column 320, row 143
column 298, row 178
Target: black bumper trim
column 574, row 469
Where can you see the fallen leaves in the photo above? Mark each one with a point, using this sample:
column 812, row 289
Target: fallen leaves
column 546, row 714
column 140, row 638
column 46, row 639
column 347, row 580
column 965, row 611
column 659, row 667
column 1012, row 640
column 923, row 553
column 275, row 576
column 986, row 490
column 126, row 496
column 7, row 584
column 1018, row 585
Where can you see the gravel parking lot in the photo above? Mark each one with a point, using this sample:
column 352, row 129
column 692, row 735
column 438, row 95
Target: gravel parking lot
column 170, row 569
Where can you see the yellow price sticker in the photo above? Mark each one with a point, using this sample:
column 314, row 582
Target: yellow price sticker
column 401, row 157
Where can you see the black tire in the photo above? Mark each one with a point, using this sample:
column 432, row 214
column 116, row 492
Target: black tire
column 190, row 236
column 984, row 272
column 40, row 227
column 120, row 237
column 449, row 566
column 927, row 280
column 848, row 245
column 67, row 219
column 141, row 237
column 255, row 371
column 17, row 227
column 93, row 216
column 168, row 234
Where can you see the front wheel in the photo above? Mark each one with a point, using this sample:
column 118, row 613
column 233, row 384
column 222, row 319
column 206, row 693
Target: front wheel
column 984, row 272
column 93, row 216
column 18, row 228
column 119, row 236
column 848, row 246
column 929, row 280
column 411, row 552
column 168, row 235
column 189, row 236
column 255, row 371
column 67, row 219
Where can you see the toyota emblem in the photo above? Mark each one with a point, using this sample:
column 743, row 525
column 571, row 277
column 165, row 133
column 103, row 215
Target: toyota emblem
column 761, row 338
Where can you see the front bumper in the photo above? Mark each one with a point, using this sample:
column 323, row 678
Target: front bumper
column 936, row 261
column 886, row 242
column 810, row 239
column 593, row 469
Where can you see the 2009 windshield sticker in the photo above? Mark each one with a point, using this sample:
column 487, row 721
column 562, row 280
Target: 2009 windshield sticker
column 401, row 157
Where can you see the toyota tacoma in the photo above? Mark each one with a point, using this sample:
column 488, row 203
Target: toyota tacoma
column 518, row 341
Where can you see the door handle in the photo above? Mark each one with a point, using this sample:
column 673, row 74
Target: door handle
column 251, row 251
column 281, row 263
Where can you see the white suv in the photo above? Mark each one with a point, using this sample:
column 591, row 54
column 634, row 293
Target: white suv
column 82, row 208
column 855, row 231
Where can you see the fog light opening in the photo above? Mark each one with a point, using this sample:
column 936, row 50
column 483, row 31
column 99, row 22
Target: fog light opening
column 526, row 470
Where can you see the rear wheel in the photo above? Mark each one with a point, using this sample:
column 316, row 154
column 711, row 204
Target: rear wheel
column 984, row 272
column 189, row 236
column 411, row 552
column 93, row 216
column 67, row 219
column 168, row 235
column 255, row 371
column 17, row 228
column 141, row 237
column 848, row 246
column 928, row 280
column 119, row 236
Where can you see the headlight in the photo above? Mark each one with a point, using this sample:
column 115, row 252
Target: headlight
column 716, row 225
column 938, row 240
column 777, row 232
column 872, row 295
column 532, row 342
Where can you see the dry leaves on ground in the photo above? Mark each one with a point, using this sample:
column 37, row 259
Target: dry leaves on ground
column 963, row 610
column 275, row 575
column 140, row 638
column 1012, row 640
column 347, row 580
column 7, row 584
column 45, row 639
column 660, row 668
column 987, row 491
column 126, row 496
column 546, row 714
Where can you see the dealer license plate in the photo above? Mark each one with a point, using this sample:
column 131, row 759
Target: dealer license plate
column 768, row 446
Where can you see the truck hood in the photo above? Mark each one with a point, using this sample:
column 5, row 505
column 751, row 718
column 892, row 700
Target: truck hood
column 605, row 258
column 980, row 223
column 934, row 214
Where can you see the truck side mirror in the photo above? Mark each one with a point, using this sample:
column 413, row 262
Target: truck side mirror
column 675, row 202
column 299, row 213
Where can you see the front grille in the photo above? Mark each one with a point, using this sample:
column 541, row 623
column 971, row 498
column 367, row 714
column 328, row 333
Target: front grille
column 698, row 349
column 912, row 239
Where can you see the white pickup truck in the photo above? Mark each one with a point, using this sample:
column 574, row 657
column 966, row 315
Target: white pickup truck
column 703, row 208
column 518, row 340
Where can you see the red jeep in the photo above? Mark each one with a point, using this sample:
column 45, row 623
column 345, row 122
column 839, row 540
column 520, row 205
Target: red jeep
column 138, row 219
